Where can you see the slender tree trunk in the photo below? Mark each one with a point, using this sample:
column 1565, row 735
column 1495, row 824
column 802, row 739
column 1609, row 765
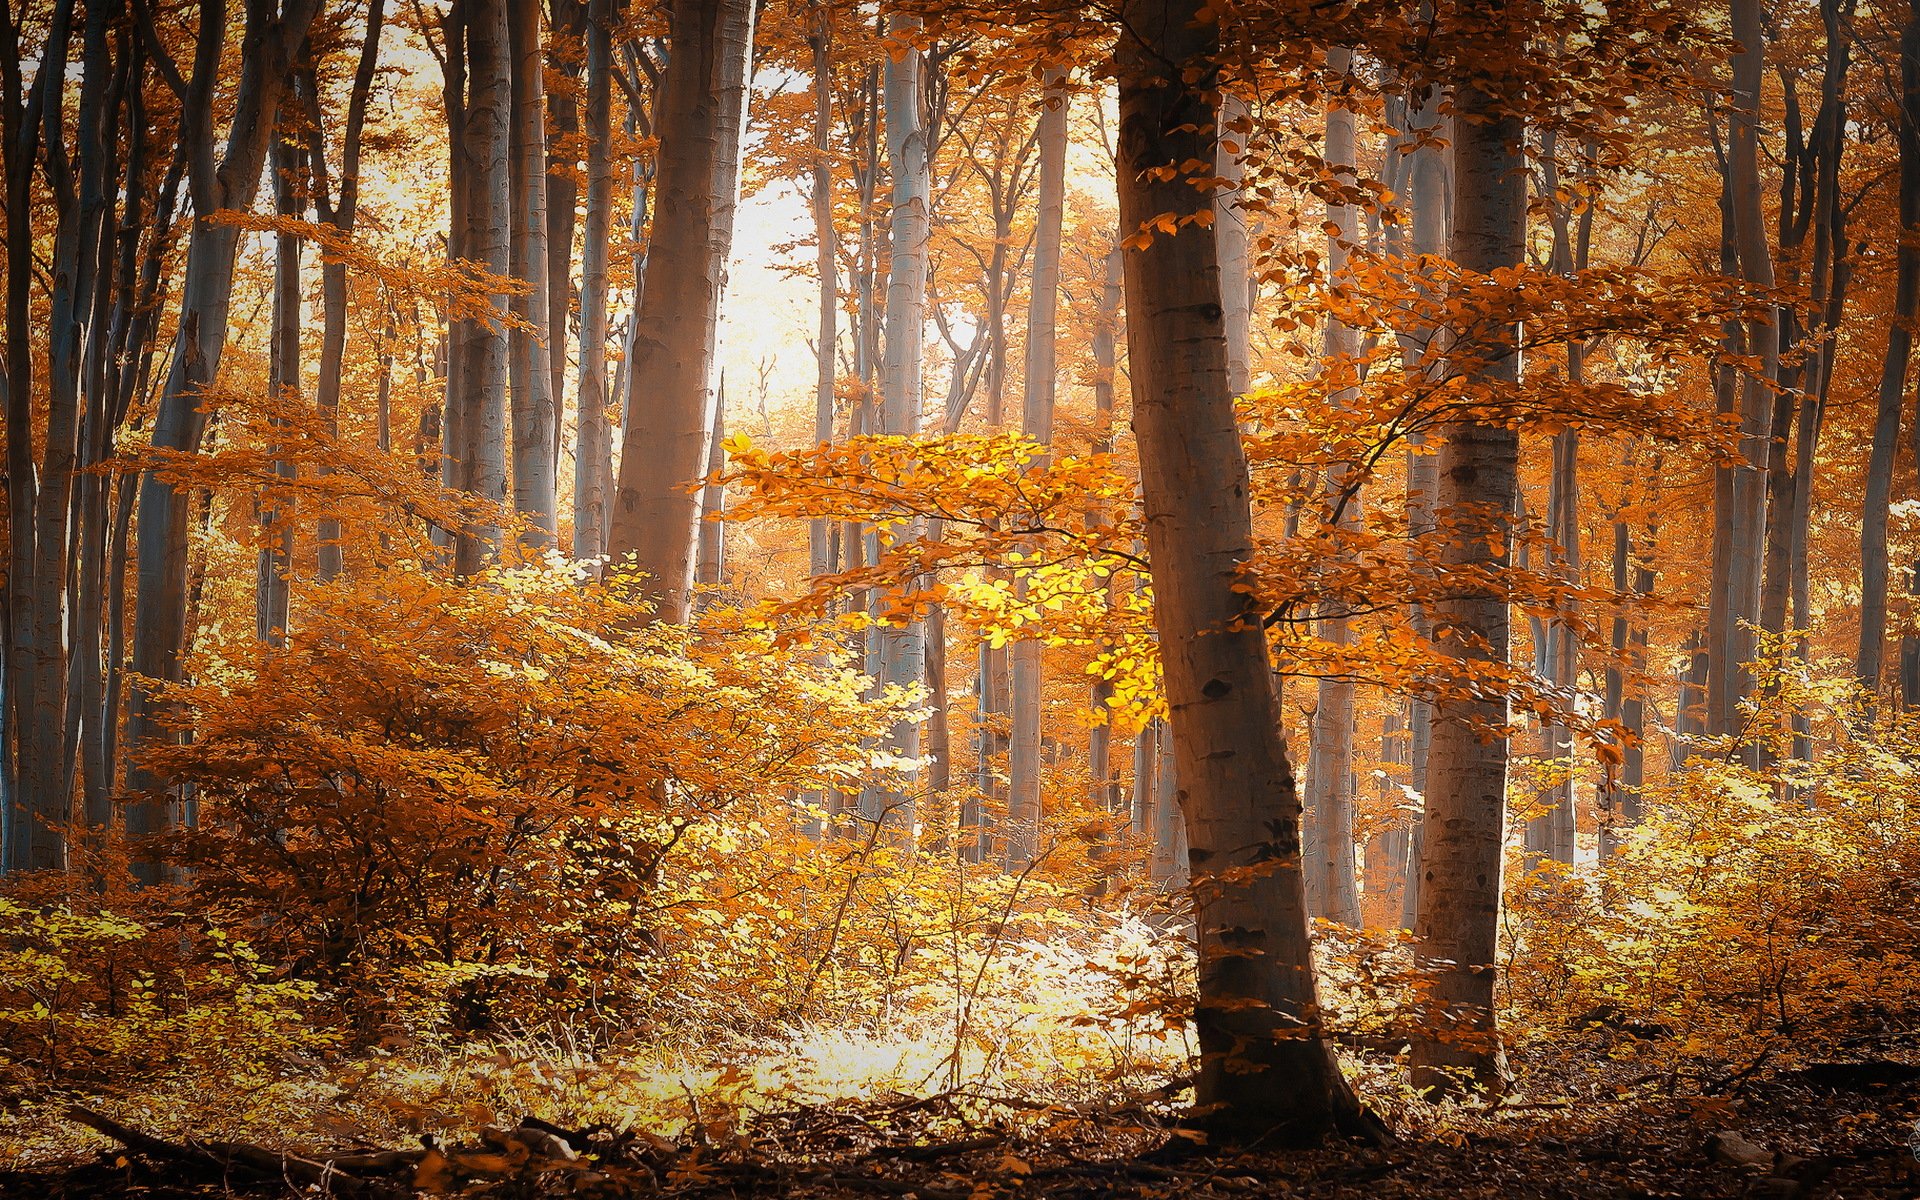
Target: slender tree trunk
column 1743, row 546
column 570, row 18
column 593, row 447
column 536, row 418
column 697, row 185
column 1036, row 422
column 271, row 604
column 1893, row 374
column 1266, row 1070
column 899, row 649
column 160, row 629
column 826, row 266
column 710, row 569
column 1465, row 820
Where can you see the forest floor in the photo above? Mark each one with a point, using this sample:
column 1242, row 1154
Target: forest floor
column 1581, row 1129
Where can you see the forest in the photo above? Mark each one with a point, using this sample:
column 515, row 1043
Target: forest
column 960, row 599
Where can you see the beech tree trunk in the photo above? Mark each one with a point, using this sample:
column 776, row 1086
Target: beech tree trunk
column 1332, row 870
column 475, row 436
column 898, row 650
column 1868, row 662
column 593, row 446
column 1465, row 821
column 273, row 31
column 536, row 419
column 271, row 598
column 826, row 266
column 1267, row 1069
column 1036, row 422
column 1742, row 502
column 696, row 187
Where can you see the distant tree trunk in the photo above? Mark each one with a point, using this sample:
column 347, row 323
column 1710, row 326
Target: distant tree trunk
column 476, row 407
column 570, row 18
column 1465, row 820
column 1620, row 799
column 1429, row 192
column 899, row 650
column 697, row 184
column 1266, row 1068
column 1105, row 353
column 339, row 212
column 1550, row 837
column 826, row 266
column 536, row 419
column 710, row 568
column 1036, row 422
column 1332, row 871
column 593, row 446
column 160, row 628
column 271, row 597
column 1736, row 571
column 1893, row 373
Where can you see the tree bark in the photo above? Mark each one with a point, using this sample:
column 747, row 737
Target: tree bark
column 536, row 418
column 1868, row 662
column 160, row 629
column 1465, row 820
column 898, row 650
column 1036, row 422
column 696, row 188
column 1267, row 1069
column 593, row 447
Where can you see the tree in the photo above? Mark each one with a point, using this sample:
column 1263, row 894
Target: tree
column 1868, row 662
column 1266, row 1065
column 702, row 112
column 1465, row 818
column 1039, row 379
column 896, row 649
column 273, row 32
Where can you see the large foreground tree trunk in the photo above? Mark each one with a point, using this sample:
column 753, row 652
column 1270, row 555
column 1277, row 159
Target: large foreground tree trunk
column 702, row 112
column 1267, row 1069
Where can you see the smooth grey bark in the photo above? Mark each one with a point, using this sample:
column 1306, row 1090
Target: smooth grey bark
column 339, row 208
column 710, row 564
column 570, row 21
column 476, row 406
column 826, row 266
column 536, row 417
column 1039, row 380
column 702, row 111
column 1457, row 918
column 230, row 181
column 593, row 430
column 1869, row 660
column 1332, row 871
column 1267, row 1070
column 898, row 651
column 1742, row 503
column 273, row 575
column 1104, row 349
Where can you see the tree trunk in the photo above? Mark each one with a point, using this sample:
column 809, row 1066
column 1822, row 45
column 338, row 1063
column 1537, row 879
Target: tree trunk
column 536, row 419
column 271, row 603
column 1266, row 1070
column 1744, row 499
column 160, row 628
column 1036, row 422
column 1893, row 374
column 826, row 266
column 1459, row 906
column 593, row 447
column 899, row 649
column 697, row 185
